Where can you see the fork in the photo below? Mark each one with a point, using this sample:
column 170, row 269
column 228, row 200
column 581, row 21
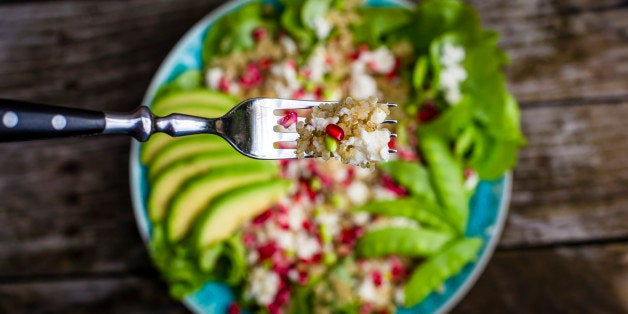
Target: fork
column 248, row 127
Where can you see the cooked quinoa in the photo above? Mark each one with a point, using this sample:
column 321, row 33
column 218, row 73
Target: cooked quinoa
column 350, row 131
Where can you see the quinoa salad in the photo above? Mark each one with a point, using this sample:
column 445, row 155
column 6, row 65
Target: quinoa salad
column 359, row 230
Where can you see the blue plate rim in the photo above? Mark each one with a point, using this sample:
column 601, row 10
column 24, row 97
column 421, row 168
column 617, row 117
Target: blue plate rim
column 135, row 176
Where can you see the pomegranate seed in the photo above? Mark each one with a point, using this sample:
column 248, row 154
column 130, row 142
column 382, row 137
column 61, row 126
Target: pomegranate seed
column 407, row 154
column 251, row 77
column 282, row 296
column 263, row 217
column 428, row 112
column 265, row 63
column 347, row 236
column 299, row 94
column 376, row 276
column 306, row 224
column 289, row 118
column 259, row 33
column 391, row 143
column 279, row 267
column 392, row 186
column 391, row 75
column 316, row 258
column 282, row 209
column 306, row 73
column 366, row 309
column 329, row 60
column 248, row 239
column 372, row 65
column 303, row 277
column 223, row 84
column 274, row 308
column 397, row 272
column 267, row 250
column 318, row 91
column 468, row 173
column 234, row 308
column 335, row 132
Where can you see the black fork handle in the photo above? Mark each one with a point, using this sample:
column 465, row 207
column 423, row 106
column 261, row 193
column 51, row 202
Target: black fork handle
column 21, row 121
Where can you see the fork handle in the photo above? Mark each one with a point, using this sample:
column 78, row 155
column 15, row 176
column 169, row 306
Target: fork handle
column 22, row 121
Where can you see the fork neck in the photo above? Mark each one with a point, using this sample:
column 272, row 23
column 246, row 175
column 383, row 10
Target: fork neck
column 141, row 124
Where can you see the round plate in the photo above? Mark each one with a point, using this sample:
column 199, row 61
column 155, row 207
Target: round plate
column 489, row 204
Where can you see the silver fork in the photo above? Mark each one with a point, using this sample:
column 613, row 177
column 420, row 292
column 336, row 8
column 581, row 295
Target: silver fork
column 248, row 127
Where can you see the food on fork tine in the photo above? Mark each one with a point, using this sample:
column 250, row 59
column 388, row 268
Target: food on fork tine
column 350, row 131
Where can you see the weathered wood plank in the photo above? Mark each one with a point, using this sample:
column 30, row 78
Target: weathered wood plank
column 102, row 54
column 126, row 294
column 89, row 54
column 570, row 183
column 66, row 208
column 587, row 279
column 562, row 49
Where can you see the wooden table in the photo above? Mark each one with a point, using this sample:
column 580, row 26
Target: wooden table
column 68, row 239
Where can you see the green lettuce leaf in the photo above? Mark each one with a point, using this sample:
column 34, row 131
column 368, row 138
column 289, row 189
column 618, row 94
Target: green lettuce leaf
column 433, row 18
column 377, row 23
column 233, row 32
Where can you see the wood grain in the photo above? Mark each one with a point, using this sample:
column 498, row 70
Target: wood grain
column 98, row 55
column 69, row 244
column 562, row 49
column 113, row 294
column 583, row 279
column 570, row 183
column 66, row 208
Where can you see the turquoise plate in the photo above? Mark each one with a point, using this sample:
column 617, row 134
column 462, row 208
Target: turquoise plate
column 489, row 204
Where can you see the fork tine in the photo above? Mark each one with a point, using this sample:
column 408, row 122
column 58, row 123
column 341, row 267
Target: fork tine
column 283, row 104
column 389, row 121
column 285, row 136
column 285, row 153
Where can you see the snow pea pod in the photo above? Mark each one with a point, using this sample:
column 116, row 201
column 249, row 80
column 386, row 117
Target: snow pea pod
column 412, row 176
column 404, row 241
column 423, row 211
column 447, row 178
column 436, row 269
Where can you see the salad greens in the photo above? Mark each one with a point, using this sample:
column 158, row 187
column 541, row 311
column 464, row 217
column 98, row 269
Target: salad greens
column 423, row 211
column 479, row 132
column 436, row 269
column 232, row 33
column 412, row 176
column 402, row 241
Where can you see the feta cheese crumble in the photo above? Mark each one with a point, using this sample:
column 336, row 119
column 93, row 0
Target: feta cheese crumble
column 452, row 73
column 263, row 285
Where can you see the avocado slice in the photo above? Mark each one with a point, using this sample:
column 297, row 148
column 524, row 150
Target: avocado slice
column 168, row 182
column 206, row 97
column 186, row 147
column 159, row 140
column 197, row 194
column 230, row 210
